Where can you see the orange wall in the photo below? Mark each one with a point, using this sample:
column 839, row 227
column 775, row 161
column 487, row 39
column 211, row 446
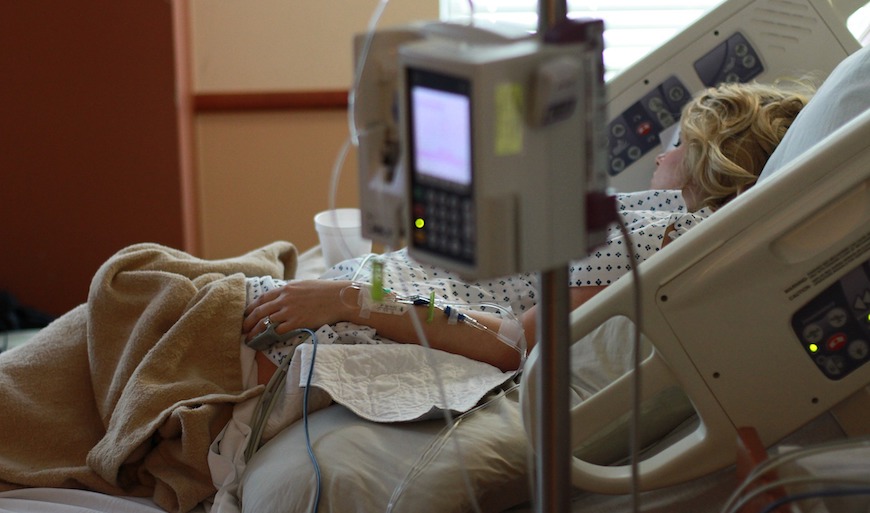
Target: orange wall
column 88, row 144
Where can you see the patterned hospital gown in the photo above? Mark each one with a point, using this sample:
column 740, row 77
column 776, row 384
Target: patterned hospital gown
column 646, row 215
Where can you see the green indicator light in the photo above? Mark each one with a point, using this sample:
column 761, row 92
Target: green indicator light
column 814, row 348
column 419, row 222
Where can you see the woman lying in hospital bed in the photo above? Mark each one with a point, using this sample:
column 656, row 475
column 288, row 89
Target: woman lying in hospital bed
column 727, row 135
column 124, row 395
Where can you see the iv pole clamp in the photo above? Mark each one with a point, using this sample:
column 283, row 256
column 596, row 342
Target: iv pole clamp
column 553, row 458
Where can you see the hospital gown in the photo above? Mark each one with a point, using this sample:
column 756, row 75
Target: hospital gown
column 647, row 216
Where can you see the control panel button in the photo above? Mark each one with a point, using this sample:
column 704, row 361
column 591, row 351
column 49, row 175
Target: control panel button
column 813, row 333
column 837, row 317
column 734, row 60
column 858, row 350
column 833, row 327
column 836, row 342
column 635, row 132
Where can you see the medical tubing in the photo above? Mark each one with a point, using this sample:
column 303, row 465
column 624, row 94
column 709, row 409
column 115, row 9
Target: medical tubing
column 818, row 494
column 436, row 445
column 781, row 459
column 507, row 334
column 448, row 418
column 795, row 481
column 364, row 52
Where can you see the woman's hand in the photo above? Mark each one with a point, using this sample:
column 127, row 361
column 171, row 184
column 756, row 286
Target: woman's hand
column 298, row 304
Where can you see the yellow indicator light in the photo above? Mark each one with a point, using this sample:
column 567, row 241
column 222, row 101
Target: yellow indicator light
column 814, row 348
column 419, row 222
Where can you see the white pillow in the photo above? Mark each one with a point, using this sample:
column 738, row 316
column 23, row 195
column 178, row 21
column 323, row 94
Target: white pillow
column 843, row 95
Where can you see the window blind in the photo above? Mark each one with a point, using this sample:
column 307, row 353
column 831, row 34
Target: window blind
column 632, row 28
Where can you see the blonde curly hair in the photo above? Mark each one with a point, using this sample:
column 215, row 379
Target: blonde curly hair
column 731, row 130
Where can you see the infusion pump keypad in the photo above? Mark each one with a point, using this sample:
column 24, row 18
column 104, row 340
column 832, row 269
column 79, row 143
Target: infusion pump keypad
column 834, row 327
column 443, row 223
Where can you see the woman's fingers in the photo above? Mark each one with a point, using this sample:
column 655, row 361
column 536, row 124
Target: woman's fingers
column 299, row 304
column 257, row 314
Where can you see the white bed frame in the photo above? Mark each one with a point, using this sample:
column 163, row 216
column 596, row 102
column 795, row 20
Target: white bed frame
column 717, row 306
column 791, row 38
column 724, row 366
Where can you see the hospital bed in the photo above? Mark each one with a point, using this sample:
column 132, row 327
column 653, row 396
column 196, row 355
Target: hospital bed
column 837, row 169
column 825, row 163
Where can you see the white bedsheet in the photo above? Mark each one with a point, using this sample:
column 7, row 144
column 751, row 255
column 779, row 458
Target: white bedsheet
column 397, row 382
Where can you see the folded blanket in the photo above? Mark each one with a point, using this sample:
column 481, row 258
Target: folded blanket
column 123, row 394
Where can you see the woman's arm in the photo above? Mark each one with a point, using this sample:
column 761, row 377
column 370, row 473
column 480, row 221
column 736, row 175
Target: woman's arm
column 578, row 296
column 313, row 303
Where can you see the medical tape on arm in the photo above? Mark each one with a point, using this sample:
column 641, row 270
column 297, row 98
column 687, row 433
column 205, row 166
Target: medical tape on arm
column 511, row 332
column 369, row 304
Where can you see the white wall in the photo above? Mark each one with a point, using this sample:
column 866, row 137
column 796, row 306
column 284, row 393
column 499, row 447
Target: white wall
column 263, row 175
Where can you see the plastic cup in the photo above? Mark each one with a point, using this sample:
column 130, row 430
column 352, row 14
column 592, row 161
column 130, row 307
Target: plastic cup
column 340, row 234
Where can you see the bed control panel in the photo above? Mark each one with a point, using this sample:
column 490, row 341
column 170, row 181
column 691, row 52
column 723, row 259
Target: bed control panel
column 834, row 327
column 735, row 60
column 635, row 132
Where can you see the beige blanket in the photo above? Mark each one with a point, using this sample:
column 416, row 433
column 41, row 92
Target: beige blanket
column 123, row 394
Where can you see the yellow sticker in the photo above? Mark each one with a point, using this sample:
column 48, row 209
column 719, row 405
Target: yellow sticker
column 508, row 119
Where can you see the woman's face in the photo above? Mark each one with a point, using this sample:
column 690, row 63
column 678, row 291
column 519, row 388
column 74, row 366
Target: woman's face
column 669, row 175
column 669, row 169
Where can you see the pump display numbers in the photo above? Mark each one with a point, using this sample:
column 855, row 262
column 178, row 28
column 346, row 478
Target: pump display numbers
column 834, row 327
column 441, row 164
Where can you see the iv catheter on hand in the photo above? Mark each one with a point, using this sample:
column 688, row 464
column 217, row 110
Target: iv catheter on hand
column 386, row 301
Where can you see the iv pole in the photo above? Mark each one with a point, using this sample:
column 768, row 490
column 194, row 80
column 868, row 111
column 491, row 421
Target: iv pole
column 553, row 456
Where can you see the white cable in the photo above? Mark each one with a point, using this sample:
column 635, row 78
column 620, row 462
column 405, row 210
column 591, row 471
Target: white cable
column 448, row 417
column 432, row 450
column 364, row 51
column 777, row 461
column 794, row 481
